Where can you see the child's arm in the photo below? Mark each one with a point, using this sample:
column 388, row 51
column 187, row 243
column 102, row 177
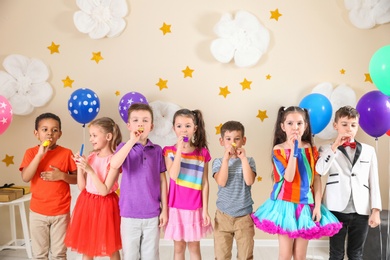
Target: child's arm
column 221, row 176
column 375, row 197
column 317, row 186
column 164, row 200
column 119, row 157
column 205, row 195
column 290, row 170
column 29, row 171
column 249, row 175
column 173, row 167
column 104, row 188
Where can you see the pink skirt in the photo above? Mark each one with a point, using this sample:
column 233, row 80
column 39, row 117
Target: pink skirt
column 94, row 229
column 186, row 225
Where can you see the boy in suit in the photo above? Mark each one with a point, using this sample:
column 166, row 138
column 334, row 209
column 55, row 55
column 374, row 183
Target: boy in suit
column 352, row 189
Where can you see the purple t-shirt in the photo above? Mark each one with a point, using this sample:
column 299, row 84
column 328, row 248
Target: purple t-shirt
column 140, row 184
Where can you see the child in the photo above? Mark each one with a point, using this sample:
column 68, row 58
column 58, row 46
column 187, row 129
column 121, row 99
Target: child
column 94, row 229
column 143, row 190
column 234, row 173
column 352, row 189
column 187, row 166
column 51, row 169
column 294, row 211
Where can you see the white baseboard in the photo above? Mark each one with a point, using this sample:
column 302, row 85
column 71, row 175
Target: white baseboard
column 258, row 243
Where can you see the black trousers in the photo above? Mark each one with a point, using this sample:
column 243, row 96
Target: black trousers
column 355, row 228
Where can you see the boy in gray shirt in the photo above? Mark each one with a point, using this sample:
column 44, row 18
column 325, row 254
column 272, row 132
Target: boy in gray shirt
column 234, row 174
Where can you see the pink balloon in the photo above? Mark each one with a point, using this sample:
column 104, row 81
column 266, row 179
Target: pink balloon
column 5, row 114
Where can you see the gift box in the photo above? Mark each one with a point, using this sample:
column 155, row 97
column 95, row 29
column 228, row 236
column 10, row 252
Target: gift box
column 7, row 195
column 18, row 191
column 24, row 189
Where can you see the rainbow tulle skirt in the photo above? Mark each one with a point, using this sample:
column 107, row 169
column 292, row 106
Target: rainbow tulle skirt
column 294, row 220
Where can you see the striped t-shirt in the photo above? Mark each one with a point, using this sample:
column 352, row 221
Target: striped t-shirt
column 186, row 191
column 235, row 198
column 300, row 189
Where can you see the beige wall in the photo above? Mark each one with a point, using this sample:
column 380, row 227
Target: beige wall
column 310, row 44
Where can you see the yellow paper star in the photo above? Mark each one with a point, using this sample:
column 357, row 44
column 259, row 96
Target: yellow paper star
column 262, row 115
column 268, row 77
column 68, row 82
column 275, row 14
column 224, row 91
column 8, row 160
column 218, row 129
column 246, row 84
column 117, row 93
column 96, row 56
column 342, row 71
column 166, row 28
column 188, row 72
column 368, row 77
column 54, row 48
column 259, row 178
column 162, row 84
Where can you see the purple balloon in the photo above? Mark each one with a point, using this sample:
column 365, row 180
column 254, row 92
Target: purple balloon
column 374, row 110
column 127, row 100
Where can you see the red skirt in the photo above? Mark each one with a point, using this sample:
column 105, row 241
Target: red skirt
column 94, row 229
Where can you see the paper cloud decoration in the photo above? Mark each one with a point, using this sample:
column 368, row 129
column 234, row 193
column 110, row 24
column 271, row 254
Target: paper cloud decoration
column 342, row 95
column 243, row 39
column 99, row 18
column 163, row 113
column 24, row 83
column 365, row 14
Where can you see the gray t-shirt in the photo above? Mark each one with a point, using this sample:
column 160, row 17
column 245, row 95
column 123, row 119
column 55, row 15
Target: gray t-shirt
column 235, row 199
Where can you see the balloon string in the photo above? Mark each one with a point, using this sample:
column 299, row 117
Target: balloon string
column 388, row 218
column 83, row 137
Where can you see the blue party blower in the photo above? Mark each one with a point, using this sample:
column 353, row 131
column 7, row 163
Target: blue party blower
column 296, row 148
column 82, row 150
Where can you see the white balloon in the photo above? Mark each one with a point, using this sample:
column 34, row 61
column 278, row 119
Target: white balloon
column 324, row 88
column 162, row 133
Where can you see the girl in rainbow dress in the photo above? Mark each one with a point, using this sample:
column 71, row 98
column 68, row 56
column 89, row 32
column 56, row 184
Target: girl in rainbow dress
column 187, row 165
column 294, row 209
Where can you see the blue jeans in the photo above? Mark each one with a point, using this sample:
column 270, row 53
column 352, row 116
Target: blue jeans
column 356, row 227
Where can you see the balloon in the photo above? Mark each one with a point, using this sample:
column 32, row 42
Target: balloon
column 83, row 105
column 374, row 110
column 5, row 114
column 320, row 111
column 380, row 69
column 388, row 132
column 127, row 100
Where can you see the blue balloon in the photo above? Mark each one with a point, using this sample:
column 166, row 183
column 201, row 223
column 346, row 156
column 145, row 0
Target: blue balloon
column 320, row 111
column 83, row 105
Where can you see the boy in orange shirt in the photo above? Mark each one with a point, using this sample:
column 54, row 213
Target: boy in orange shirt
column 51, row 169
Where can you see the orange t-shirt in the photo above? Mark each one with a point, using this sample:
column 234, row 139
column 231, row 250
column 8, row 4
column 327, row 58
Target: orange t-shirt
column 50, row 198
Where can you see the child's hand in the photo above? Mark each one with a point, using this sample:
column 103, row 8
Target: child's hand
column 316, row 216
column 206, row 219
column 54, row 175
column 43, row 148
column 241, row 152
column 182, row 141
column 135, row 136
column 163, row 218
column 342, row 138
column 374, row 219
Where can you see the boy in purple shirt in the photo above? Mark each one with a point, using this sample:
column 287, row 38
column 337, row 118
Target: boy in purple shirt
column 143, row 197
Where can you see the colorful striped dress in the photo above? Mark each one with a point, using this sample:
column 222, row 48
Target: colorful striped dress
column 185, row 197
column 289, row 209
